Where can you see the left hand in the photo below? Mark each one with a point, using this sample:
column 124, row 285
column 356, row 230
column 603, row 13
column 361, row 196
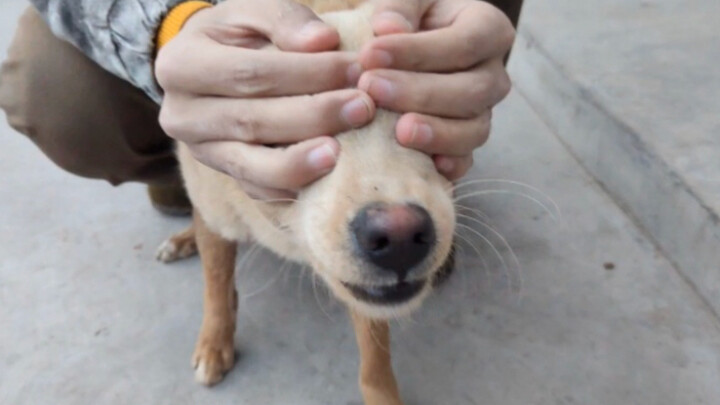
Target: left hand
column 444, row 69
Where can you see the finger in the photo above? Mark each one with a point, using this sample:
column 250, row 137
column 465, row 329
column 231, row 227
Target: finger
column 453, row 168
column 265, row 121
column 396, row 16
column 477, row 31
column 463, row 94
column 288, row 25
column 217, row 70
column 271, row 168
column 443, row 136
column 265, row 194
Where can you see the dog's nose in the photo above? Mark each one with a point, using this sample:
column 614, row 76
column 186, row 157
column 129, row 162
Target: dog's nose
column 394, row 237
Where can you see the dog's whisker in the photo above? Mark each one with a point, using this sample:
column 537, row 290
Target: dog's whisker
column 240, row 276
column 244, row 262
column 280, row 273
column 503, row 181
column 411, row 320
column 476, row 211
column 285, row 273
column 511, row 192
column 317, row 299
column 476, row 249
column 500, row 257
column 460, row 253
column 515, row 183
column 267, row 285
column 479, row 254
column 243, row 266
column 487, row 275
column 379, row 344
column 303, row 274
column 506, row 244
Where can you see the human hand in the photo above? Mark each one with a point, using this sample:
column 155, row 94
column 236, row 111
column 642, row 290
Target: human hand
column 446, row 77
column 231, row 101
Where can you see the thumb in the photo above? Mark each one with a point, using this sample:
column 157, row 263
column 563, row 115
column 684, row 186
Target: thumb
column 397, row 16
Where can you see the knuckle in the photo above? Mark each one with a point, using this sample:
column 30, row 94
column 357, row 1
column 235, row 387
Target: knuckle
column 507, row 37
column 296, row 14
column 477, row 132
column 463, row 167
column 484, row 133
column 293, row 181
column 488, row 115
column 505, row 29
column 422, row 100
column 505, row 85
column 283, row 175
column 166, row 68
column 201, row 153
column 478, row 94
column 251, row 79
column 468, row 164
column 468, row 49
column 237, row 169
column 168, row 120
column 413, row 60
column 244, row 125
column 321, row 108
column 461, row 171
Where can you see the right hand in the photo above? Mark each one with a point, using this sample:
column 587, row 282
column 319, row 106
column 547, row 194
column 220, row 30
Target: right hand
column 233, row 103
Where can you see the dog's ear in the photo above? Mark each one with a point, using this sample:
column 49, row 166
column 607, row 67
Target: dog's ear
column 324, row 6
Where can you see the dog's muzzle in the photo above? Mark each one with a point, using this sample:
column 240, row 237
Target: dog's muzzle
column 387, row 295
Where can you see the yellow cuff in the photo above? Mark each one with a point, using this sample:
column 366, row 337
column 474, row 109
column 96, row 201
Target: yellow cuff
column 175, row 20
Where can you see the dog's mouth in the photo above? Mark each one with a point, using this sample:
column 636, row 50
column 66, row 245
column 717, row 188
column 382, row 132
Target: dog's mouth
column 389, row 294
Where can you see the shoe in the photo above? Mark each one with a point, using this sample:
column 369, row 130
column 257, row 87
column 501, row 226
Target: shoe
column 170, row 200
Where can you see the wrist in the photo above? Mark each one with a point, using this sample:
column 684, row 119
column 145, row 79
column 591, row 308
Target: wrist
column 175, row 19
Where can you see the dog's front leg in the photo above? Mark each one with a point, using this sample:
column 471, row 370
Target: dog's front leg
column 377, row 380
column 215, row 352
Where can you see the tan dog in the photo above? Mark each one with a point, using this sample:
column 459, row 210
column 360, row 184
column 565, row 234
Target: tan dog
column 376, row 229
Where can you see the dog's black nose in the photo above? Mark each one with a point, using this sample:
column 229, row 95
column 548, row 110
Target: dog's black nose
column 393, row 237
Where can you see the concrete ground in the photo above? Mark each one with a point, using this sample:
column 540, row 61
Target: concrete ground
column 633, row 90
column 592, row 313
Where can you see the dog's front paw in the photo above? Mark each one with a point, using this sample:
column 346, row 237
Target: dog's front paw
column 176, row 248
column 212, row 359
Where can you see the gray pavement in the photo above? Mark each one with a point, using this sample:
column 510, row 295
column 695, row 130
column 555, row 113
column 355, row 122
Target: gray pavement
column 594, row 314
column 632, row 88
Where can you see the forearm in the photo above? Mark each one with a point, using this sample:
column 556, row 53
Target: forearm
column 119, row 35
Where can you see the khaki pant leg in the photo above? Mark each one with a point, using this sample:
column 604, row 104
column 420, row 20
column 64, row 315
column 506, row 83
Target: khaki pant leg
column 86, row 120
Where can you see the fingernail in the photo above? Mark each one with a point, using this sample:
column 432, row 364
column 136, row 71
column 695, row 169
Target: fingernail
column 381, row 90
column 312, row 28
column 322, row 158
column 396, row 19
column 353, row 73
column 421, row 135
column 380, row 59
column 445, row 165
column 356, row 112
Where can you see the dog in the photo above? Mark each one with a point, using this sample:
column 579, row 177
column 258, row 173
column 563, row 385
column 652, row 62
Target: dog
column 377, row 230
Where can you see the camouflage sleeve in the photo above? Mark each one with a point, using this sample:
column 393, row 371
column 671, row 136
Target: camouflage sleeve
column 119, row 35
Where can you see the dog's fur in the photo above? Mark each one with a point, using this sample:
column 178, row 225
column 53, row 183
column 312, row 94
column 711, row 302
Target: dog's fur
column 315, row 229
